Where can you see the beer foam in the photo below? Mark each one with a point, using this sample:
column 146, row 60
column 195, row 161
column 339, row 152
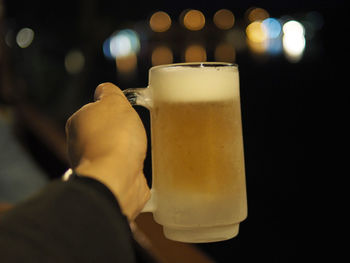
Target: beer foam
column 186, row 83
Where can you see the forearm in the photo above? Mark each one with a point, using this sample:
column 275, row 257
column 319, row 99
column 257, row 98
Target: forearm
column 75, row 221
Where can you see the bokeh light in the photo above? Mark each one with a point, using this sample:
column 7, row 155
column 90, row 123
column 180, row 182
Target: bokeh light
column 312, row 22
column 25, row 37
column 256, row 32
column 274, row 46
column 74, row 61
column 293, row 40
column 256, row 14
column 224, row 19
column 194, row 20
column 225, row 37
column 160, row 21
column 162, row 55
column 225, row 52
column 273, row 27
column 195, row 53
column 10, row 38
column 316, row 19
column 293, row 28
column 127, row 64
column 257, row 47
column 121, row 44
column 293, row 47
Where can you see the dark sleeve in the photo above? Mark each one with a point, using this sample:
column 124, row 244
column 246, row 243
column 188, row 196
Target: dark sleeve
column 74, row 221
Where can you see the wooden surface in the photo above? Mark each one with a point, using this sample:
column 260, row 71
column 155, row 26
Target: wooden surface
column 163, row 249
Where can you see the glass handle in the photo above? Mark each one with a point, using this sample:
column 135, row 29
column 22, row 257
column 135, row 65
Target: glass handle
column 139, row 96
column 142, row 97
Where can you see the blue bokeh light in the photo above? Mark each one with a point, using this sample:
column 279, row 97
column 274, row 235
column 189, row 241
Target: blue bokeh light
column 273, row 27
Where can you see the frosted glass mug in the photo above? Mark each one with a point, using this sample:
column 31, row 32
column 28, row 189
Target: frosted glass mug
column 198, row 180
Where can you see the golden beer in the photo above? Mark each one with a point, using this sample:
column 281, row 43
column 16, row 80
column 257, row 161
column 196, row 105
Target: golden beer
column 197, row 147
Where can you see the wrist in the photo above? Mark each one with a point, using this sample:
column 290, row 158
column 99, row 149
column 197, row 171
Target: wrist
column 99, row 170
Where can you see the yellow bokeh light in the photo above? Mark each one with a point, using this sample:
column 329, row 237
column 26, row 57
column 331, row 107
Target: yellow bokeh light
column 195, row 53
column 225, row 52
column 194, row 20
column 160, row 21
column 162, row 55
column 256, row 13
column 256, row 32
column 224, row 19
column 257, row 47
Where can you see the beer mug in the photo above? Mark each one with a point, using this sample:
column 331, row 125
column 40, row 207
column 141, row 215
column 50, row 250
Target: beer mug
column 198, row 180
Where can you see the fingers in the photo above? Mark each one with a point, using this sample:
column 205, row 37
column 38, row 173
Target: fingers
column 107, row 89
column 109, row 93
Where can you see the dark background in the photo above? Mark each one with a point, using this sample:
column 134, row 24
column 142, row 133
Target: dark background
column 281, row 100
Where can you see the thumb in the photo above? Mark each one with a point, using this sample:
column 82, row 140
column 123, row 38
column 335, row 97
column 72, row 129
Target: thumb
column 107, row 89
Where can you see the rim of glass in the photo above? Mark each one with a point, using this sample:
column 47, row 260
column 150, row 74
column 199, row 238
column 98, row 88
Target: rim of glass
column 196, row 65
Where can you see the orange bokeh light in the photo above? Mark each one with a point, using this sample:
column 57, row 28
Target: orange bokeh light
column 162, row 55
column 194, row 20
column 224, row 19
column 160, row 21
column 127, row 64
column 195, row 53
column 225, row 52
column 257, row 13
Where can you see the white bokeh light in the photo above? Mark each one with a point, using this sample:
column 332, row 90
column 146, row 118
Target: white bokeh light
column 25, row 37
column 293, row 40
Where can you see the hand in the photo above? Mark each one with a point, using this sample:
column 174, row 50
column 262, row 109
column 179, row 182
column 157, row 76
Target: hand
column 107, row 141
